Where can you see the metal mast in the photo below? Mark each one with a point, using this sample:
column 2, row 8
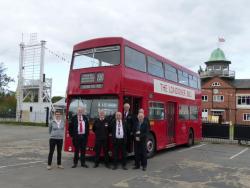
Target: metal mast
column 34, row 90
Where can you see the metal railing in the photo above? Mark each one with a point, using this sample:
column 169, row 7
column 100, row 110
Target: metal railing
column 221, row 73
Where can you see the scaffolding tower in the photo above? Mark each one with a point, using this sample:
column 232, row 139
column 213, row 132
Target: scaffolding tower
column 33, row 90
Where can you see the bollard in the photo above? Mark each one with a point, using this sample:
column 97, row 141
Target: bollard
column 231, row 131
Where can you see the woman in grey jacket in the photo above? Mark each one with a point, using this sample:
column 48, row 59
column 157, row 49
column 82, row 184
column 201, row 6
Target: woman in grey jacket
column 56, row 130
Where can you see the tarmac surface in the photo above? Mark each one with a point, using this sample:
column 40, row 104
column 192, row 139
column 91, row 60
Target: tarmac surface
column 24, row 151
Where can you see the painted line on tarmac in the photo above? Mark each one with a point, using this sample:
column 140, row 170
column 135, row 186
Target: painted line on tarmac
column 192, row 148
column 21, row 164
column 237, row 154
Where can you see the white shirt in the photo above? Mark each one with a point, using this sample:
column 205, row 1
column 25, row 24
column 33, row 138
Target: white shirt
column 58, row 123
column 79, row 125
column 119, row 130
column 125, row 114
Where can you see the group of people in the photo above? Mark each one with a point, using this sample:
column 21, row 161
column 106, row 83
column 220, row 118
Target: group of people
column 126, row 129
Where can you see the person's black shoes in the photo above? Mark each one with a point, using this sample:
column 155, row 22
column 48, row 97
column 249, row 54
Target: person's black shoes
column 144, row 168
column 74, row 166
column 107, row 166
column 136, row 167
column 96, row 165
column 124, row 168
column 114, row 168
column 84, row 166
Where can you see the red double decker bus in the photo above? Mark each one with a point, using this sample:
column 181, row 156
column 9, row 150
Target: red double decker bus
column 107, row 72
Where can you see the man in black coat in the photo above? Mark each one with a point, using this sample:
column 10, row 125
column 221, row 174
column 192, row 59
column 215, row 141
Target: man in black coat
column 79, row 131
column 128, row 120
column 141, row 131
column 101, row 130
column 119, row 138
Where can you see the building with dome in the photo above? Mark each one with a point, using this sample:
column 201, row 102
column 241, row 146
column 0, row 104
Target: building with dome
column 223, row 96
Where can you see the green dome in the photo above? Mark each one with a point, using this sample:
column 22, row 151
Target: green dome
column 217, row 55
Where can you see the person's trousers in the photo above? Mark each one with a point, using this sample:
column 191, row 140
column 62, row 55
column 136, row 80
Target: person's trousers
column 140, row 154
column 120, row 146
column 52, row 144
column 79, row 143
column 99, row 145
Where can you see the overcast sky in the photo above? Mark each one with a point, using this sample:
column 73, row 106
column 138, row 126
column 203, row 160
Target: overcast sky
column 185, row 31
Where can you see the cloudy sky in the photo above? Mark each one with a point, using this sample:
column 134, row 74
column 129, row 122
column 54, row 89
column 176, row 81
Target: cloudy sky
column 185, row 31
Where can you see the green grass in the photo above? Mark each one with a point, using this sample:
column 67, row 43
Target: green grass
column 22, row 123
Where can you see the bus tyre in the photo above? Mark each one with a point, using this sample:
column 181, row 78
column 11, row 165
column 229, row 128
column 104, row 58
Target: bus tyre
column 150, row 145
column 190, row 138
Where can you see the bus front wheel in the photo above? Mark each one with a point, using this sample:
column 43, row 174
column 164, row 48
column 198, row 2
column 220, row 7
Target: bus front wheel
column 151, row 145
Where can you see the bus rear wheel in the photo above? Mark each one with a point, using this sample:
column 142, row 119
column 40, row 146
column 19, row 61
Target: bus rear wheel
column 150, row 145
column 190, row 138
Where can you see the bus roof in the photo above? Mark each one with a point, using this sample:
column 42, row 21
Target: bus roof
column 108, row 41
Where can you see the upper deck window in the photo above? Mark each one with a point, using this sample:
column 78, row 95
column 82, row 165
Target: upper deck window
column 183, row 77
column 170, row 73
column 193, row 81
column 97, row 57
column 155, row 67
column 135, row 59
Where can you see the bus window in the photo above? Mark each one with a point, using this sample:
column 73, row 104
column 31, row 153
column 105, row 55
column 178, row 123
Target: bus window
column 94, row 105
column 135, row 59
column 183, row 112
column 156, row 111
column 193, row 82
column 193, row 112
column 155, row 67
column 97, row 57
column 183, row 77
column 170, row 73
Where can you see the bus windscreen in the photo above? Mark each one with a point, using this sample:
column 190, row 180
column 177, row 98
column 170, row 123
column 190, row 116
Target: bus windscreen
column 97, row 57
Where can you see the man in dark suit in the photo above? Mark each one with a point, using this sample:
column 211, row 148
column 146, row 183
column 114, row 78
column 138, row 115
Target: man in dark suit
column 119, row 137
column 101, row 130
column 128, row 120
column 141, row 131
column 79, row 131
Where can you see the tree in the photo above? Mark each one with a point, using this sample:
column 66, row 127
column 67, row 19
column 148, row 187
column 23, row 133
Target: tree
column 56, row 98
column 4, row 79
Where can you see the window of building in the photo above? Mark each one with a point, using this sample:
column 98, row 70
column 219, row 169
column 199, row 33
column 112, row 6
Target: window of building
column 218, row 98
column 183, row 77
column 156, row 110
column 243, row 100
column 205, row 110
column 171, row 73
column 215, row 84
column 155, row 67
column 204, row 98
column 246, row 117
column 217, row 67
column 193, row 112
column 135, row 59
column 183, row 112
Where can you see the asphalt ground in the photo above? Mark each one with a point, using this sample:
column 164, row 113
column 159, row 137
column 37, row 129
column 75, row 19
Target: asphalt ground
column 23, row 159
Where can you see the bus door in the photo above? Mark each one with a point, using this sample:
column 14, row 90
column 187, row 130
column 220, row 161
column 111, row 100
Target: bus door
column 134, row 102
column 135, row 105
column 171, row 109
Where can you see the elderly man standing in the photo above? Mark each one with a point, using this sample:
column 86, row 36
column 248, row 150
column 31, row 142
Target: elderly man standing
column 128, row 120
column 101, row 130
column 119, row 137
column 141, row 130
column 79, row 131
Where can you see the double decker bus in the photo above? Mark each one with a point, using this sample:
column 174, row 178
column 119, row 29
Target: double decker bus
column 105, row 73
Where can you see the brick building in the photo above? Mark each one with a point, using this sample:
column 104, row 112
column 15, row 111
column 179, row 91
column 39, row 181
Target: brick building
column 223, row 96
